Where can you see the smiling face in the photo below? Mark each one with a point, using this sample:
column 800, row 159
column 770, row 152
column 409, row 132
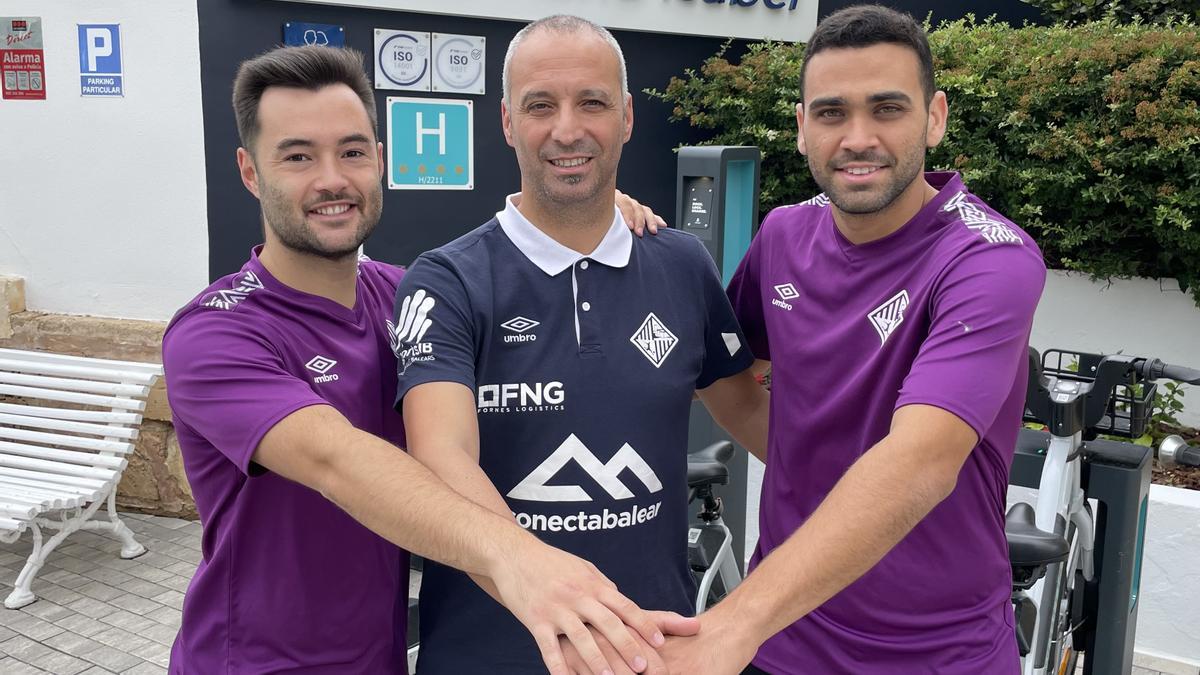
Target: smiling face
column 316, row 169
column 864, row 126
column 566, row 117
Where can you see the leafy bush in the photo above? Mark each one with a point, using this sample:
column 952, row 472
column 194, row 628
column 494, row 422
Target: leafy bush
column 1088, row 137
column 1123, row 11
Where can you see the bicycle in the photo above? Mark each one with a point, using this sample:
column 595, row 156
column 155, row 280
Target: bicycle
column 1051, row 545
column 710, row 543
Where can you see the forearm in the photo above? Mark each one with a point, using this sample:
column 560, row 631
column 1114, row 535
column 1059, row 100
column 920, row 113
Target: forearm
column 742, row 407
column 463, row 473
column 874, row 505
column 395, row 496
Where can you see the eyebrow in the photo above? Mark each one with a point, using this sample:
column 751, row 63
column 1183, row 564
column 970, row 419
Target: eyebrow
column 289, row 143
column 834, row 101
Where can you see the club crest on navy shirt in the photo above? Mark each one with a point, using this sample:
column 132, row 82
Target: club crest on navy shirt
column 654, row 340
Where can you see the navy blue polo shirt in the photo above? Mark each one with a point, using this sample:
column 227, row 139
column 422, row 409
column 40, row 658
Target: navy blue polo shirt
column 583, row 369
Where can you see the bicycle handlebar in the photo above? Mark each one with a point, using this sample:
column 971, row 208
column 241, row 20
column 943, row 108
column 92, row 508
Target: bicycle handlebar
column 1174, row 452
column 1153, row 369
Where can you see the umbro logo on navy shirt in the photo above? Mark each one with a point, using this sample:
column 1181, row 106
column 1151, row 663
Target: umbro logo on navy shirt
column 654, row 340
column 412, row 324
column 888, row 316
column 321, row 365
column 786, row 292
column 535, row 487
column 518, row 325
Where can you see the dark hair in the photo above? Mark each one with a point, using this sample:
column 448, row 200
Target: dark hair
column 309, row 67
column 867, row 25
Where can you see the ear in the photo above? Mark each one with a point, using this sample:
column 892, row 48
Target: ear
column 382, row 163
column 800, row 145
column 938, row 112
column 506, row 122
column 628, row 117
column 248, row 171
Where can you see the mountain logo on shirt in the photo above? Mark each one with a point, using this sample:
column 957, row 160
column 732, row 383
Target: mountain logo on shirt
column 321, row 365
column 654, row 340
column 887, row 317
column 536, row 488
column 786, row 292
column 411, row 325
column 518, row 325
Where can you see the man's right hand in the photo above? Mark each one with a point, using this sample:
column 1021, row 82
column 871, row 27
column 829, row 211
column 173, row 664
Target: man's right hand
column 554, row 593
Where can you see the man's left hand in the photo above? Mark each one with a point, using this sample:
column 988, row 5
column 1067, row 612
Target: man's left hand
column 720, row 648
column 638, row 217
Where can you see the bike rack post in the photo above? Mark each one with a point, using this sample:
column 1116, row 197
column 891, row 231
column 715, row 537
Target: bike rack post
column 1117, row 476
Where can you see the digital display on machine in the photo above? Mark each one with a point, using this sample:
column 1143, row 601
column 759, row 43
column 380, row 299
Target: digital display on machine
column 699, row 200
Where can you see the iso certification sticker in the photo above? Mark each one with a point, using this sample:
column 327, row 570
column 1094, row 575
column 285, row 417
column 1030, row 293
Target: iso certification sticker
column 402, row 60
column 458, row 63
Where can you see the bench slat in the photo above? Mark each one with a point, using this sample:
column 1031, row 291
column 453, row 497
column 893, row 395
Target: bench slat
column 49, row 498
column 51, row 467
column 65, row 384
column 104, row 431
column 12, row 525
column 71, row 397
column 98, row 416
column 63, row 359
column 119, row 447
column 69, row 456
column 22, row 511
column 50, row 489
column 24, row 365
column 54, row 478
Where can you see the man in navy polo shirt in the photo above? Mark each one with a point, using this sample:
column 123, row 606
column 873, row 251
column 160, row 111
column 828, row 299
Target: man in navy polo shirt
column 547, row 360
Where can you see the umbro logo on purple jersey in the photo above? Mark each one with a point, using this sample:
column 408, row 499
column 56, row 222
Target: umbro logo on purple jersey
column 321, row 365
column 786, row 292
column 887, row 317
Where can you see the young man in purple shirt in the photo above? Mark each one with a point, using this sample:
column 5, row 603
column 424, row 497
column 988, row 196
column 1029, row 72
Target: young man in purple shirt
column 895, row 311
column 280, row 380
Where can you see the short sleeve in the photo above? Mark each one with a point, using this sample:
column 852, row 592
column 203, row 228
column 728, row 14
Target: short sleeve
column 981, row 317
column 725, row 350
column 433, row 331
column 745, row 296
column 228, row 384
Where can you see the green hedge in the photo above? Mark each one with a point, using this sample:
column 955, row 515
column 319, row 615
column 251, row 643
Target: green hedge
column 1088, row 137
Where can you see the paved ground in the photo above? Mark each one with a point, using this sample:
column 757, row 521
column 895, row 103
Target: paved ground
column 98, row 614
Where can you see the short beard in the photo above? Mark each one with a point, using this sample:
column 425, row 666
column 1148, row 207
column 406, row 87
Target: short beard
column 280, row 215
column 910, row 165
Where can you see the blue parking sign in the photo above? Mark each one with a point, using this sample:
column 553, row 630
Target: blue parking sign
column 430, row 144
column 100, row 72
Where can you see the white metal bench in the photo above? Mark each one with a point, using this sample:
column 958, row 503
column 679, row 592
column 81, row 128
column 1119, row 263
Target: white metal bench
column 67, row 426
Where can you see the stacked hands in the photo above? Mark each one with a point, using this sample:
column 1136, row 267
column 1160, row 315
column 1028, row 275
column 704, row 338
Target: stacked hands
column 583, row 625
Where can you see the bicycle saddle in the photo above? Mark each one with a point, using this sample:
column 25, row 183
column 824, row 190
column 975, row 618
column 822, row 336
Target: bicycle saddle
column 1027, row 545
column 707, row 466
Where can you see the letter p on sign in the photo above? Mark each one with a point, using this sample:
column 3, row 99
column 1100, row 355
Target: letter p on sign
column 100, row 49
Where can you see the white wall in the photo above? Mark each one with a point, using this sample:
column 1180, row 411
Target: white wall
column 1141, row 317
column 102, row 202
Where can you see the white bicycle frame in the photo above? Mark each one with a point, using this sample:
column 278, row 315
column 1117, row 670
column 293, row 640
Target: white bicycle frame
column 1060, row 498
column 723, row 565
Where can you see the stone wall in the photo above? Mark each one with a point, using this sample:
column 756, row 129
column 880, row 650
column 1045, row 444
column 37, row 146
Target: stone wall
column 154, row 481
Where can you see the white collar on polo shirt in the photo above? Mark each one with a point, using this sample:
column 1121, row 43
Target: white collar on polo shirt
column 551, row 256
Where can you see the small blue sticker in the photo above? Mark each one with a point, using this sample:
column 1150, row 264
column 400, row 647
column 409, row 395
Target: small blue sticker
column 298, row 34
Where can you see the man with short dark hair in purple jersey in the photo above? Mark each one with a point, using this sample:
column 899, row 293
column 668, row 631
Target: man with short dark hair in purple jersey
column 894, row 310
column 280, row 379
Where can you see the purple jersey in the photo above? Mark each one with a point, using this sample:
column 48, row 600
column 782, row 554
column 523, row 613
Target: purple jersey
column 288, row 581
column 937, row 313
